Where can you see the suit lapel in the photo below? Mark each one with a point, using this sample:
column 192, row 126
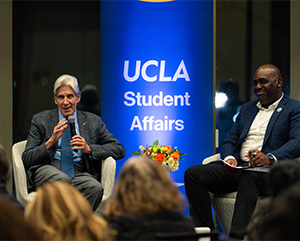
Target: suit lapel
column 82, row 125
column 84, row 132
column 250, row 118
column 53, row 121
column 277, row 112
column 53, row 118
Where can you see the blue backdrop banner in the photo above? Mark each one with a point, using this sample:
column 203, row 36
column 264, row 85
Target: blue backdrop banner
column 157, row 76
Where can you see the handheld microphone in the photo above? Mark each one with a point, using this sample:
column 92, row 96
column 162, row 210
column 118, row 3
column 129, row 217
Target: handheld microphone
column 71, row 120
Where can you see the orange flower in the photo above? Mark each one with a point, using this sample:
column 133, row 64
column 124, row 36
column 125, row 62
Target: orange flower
column 169, row 149
column 175, row 155
column 160, row 158
column 164, row 155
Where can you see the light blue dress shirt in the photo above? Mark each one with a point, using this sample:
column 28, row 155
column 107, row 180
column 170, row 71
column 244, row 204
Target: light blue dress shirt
column 76, row 155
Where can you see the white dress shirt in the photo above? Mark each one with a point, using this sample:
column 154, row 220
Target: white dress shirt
column 257, row 131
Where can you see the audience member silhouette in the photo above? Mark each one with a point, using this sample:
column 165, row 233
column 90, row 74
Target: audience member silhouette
column 145, row 202
column 62, row 213
column 4, row 177
column 13, row 225
column 279, row 219
column 283, row 217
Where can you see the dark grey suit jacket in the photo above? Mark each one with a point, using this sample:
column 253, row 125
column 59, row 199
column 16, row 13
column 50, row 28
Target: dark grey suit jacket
column 282, row 137
column 92, row 129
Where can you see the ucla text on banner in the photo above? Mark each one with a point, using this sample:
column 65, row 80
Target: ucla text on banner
column 157, row 75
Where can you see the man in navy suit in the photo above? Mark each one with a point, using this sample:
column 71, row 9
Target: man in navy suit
column 44, row 156
column 266, row 130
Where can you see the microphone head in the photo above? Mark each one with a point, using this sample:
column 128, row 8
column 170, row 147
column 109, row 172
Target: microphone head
column 71, row 119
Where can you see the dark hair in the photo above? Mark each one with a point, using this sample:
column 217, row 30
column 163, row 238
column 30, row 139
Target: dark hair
column 4, row 166
column 277, row 218
column 13, row 225
column 282, row 220
column 283, row 175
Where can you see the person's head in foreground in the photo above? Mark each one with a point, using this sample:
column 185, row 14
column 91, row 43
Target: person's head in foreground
column 143, row 187
column 13, row 225
column 283, row 179
column 62, row 213
column 282, row 220
column 283, row 175
column 4, row 166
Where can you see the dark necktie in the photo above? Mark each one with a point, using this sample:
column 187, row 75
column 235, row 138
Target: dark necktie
column 67, row 154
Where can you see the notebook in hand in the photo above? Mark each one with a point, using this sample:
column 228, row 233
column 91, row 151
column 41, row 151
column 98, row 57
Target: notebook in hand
column 240, row 167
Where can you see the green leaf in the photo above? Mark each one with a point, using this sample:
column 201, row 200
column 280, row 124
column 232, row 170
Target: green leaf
column 136, row 153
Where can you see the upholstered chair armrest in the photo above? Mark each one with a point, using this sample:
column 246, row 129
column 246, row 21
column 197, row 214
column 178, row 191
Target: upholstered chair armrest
column 212, row 158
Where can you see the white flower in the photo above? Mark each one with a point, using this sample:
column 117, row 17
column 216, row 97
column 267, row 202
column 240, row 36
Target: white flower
column 169, row 162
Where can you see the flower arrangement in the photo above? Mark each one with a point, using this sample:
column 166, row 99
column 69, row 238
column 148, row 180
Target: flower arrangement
column 165, row 155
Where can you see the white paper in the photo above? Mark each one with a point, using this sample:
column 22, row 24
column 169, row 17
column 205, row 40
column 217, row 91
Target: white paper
column 244, row 167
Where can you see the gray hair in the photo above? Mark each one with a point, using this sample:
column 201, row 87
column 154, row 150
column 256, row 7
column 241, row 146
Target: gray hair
column 66, row 80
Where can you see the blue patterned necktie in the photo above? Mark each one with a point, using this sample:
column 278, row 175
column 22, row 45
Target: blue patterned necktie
column 67, row 154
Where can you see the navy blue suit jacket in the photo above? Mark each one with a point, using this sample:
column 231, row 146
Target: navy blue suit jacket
column 282, row 137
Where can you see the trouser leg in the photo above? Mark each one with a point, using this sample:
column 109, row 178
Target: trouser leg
column 88, row 186
column 251, row 185
column 199, row 181
column 82, row 181
column 49, row 173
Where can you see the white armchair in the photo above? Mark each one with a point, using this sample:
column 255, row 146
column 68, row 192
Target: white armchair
column 108, row 177
column 223, row 204
column 20, row 175
column 107, row 181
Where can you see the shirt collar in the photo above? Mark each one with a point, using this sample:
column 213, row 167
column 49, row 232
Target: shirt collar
column 61, row 116
column 272, row 106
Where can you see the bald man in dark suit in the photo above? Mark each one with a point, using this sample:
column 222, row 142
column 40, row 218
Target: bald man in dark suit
column 266, row 130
